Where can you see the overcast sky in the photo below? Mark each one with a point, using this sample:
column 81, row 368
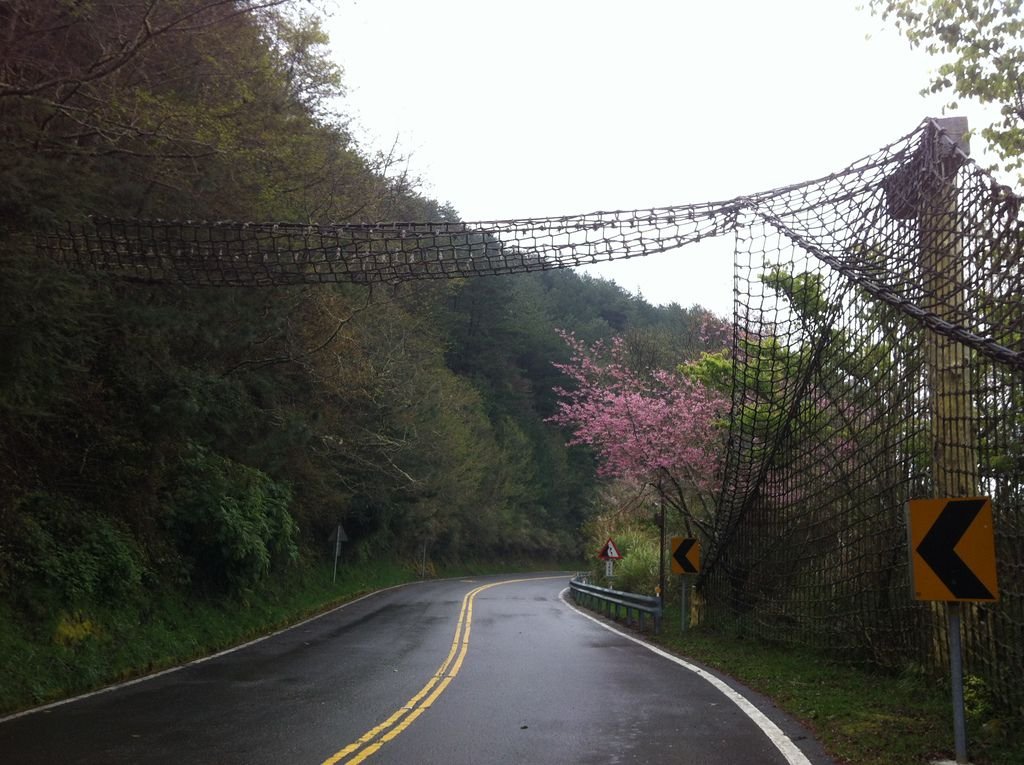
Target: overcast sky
column 538, row 108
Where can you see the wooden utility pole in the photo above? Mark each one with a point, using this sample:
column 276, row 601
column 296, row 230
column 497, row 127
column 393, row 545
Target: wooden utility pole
column 948, row 361
column 954, row 431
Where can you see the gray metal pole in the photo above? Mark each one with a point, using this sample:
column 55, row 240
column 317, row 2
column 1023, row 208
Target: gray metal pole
column 337, row 551
column 956, row 672
column 661, row 554
column 685, row 618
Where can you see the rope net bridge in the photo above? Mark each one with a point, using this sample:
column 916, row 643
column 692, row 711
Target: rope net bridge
column 878, row 355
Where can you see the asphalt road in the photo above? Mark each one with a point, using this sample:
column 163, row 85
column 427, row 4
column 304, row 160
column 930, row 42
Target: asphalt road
column 470, row 671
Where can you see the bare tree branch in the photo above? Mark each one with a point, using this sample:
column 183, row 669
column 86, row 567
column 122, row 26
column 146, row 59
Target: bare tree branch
column 144, row 35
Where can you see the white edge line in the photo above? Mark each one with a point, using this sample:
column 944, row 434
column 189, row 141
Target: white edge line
column 774, row 733
column 200, row 660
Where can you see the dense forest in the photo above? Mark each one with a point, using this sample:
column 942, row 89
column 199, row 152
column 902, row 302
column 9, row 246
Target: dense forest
column 206, row 440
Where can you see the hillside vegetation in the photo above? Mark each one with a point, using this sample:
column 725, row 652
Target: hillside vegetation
column 161, row 442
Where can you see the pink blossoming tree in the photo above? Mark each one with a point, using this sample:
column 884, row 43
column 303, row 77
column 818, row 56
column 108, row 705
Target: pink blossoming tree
column 654, row 426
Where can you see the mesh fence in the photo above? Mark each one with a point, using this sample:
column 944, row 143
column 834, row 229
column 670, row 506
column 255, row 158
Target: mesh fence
column 878, row 356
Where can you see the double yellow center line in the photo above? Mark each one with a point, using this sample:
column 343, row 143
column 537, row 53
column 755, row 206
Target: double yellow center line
column 376, row 737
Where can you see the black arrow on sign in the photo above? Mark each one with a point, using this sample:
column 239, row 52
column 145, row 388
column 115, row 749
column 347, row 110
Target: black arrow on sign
column 680, row 556
column 936, row 549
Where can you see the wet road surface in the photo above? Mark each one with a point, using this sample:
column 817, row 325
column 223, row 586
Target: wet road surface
column 472, row 671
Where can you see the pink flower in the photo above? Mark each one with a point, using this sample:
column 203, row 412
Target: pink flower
column 641, row 422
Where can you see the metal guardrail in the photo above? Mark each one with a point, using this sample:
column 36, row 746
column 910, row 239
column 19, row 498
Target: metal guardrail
column 612, row 602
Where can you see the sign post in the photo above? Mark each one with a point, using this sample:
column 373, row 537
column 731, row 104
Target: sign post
column 661, row 548
column 952, row 559
column 685, row 560
column 338, row 536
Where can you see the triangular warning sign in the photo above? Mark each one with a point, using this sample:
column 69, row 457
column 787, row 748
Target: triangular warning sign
column 609, row 551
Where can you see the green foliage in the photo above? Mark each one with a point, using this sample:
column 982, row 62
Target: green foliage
column 981, row 46
column 637, row 572
column 60, row 552
column 230, row 522
column 979, row 703
column 48, row 325
column 302, row 54
column 715, row 370
column 805, row 291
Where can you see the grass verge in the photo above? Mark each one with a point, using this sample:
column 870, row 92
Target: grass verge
column 860, row 716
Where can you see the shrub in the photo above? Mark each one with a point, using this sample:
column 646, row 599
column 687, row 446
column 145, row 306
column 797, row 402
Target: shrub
column 82, row 556
column 230, row 521
column 637, row 572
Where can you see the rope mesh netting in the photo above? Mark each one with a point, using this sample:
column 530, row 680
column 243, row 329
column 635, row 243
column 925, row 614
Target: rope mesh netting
column 259, row 254
column 878, row 356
